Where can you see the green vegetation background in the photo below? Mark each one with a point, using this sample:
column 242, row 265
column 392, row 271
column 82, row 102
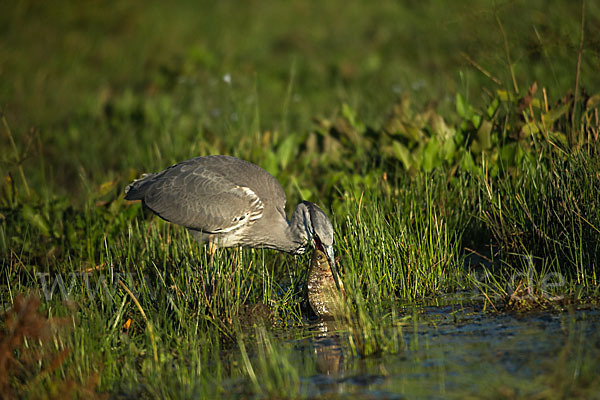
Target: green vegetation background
column 107, row 86
column 425, row 128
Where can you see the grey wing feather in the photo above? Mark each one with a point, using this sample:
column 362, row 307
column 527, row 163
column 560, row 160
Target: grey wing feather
column 196, row 197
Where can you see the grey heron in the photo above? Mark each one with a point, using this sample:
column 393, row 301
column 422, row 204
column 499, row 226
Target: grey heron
column 230, row 202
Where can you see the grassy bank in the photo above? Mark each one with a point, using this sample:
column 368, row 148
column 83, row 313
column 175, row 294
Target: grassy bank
column 463, row 167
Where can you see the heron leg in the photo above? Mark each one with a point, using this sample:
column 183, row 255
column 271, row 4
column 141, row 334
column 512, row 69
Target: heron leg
column 236, row 253
column 212, row 249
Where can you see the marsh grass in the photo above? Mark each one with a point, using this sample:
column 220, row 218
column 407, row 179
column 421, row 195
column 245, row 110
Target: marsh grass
column 270, row 372
column 369, row 330
column 32, row 359
column 409, row 186
column 400, row 244
column 542, row 220
column 391, row 252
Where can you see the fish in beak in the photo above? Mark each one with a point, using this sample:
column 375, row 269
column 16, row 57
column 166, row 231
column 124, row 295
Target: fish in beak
column 325, row 290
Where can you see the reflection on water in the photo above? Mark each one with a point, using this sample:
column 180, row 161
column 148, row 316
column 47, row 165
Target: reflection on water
column 328, row 350
column 457, row 351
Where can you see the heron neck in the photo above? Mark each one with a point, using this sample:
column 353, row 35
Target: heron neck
column 289, row 236
column 295, row 231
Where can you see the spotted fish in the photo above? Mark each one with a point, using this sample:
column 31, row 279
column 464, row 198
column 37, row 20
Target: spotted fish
column 324, row 296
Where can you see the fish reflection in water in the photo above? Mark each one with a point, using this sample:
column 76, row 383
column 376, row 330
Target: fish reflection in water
column 328, row 349
column 324, row 297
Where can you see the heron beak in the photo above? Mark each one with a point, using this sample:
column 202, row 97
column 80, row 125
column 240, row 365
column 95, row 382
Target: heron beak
column 331, row 259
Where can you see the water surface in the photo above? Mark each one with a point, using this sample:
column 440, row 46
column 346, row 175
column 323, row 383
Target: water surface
column 458, row 352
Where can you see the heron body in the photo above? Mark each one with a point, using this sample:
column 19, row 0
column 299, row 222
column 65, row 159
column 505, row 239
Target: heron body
column 232, row 202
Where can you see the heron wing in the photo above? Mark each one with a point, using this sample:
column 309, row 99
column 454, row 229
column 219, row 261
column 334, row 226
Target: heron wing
column 199, row 198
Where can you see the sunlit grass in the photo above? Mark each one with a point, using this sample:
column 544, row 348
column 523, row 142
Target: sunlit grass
column 411, row 187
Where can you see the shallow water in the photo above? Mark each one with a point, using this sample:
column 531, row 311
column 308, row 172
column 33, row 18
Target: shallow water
column 460, row 351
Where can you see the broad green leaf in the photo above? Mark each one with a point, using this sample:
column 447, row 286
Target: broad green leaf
column 270, row 163
column 508, row 154
column 306, row 194
column 350, row 115
column 530, row 128
column 431, row 157
column 467, row 162
column 448, row 150
column 559, row 138
column 503, row 95
column 476, row 120
column 484, row 135
column 402, row 153
column 285, row 150
column 459, row 137
column 593, row 102
column 440, row 129
column 106, row 187
column 414, row 133
column 461, row 107
column 36, row 219
column 551, row 116
column 491, row 110
column 408, row 130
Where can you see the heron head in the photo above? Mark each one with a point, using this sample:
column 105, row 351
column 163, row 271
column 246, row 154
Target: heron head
column 319, row 232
